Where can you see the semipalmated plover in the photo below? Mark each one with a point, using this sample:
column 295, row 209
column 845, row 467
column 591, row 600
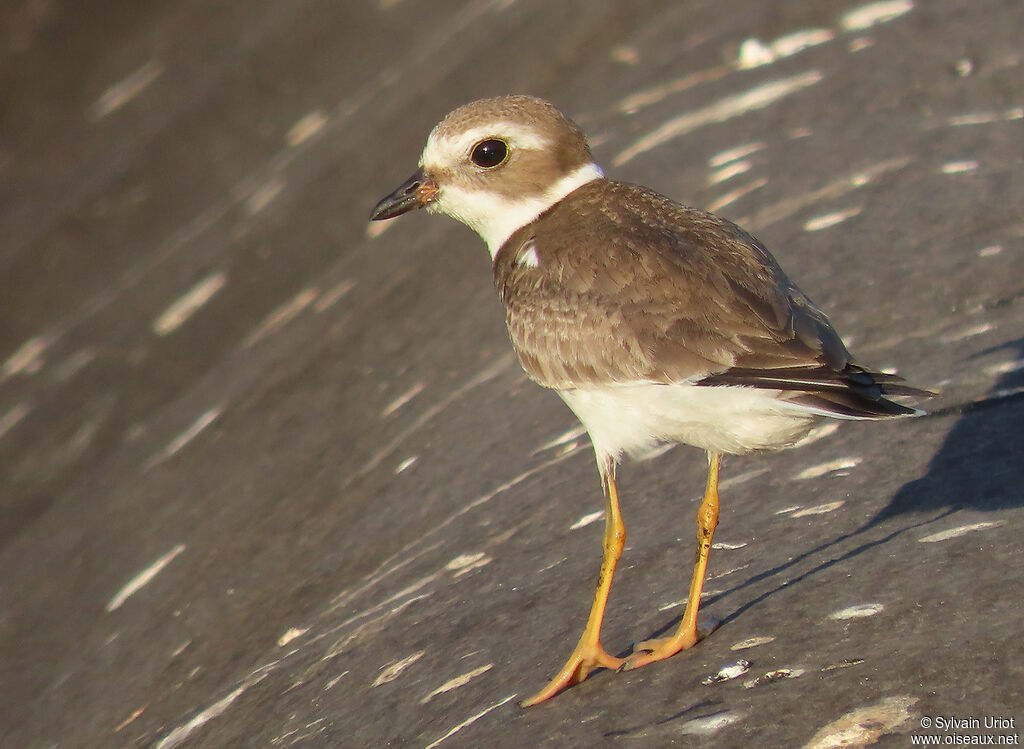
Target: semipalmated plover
column 655, row 322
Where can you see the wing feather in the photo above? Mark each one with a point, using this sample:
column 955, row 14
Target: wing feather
column 631, row 287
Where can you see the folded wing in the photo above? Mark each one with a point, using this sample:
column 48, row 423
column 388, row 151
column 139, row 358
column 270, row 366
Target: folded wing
column 625, row 286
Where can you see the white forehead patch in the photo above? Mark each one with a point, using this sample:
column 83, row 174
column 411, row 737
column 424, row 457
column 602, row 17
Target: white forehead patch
column 449, row 149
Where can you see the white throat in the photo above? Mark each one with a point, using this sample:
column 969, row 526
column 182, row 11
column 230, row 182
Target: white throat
column 496, row 217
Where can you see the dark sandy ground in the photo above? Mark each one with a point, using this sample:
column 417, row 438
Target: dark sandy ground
column 271, row 476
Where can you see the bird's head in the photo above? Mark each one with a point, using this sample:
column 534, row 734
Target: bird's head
column 495, row 165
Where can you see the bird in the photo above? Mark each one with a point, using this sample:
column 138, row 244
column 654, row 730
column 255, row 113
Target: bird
column 655, row 322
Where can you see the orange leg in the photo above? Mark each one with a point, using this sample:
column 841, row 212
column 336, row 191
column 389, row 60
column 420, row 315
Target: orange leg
column 686, row 636
column 589, row 654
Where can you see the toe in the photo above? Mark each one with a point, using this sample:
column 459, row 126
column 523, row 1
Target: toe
column 577, row 668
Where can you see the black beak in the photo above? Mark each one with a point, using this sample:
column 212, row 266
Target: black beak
column 415, row 192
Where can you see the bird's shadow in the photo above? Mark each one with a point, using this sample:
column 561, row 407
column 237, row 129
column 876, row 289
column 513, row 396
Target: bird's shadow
column 980, row 466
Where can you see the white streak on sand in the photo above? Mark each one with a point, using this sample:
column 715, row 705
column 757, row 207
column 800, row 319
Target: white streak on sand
column 752, row 642
column 13, row 416
column 485, row 375
column 754, row 53
column 625, row 54
column 839, row 464
column 729, row 171
column 130, row 719
column 264, row 195
column 182, row 732
column 716, row 575
column 741, row 478
column 868, row 15
column 857, row 612
column 375, row 228
column 401, row 400
column 818, row 509
column 73, row 364
column 586, row 520
column 405, row 464
column 292, row 634
column 828, row 220
column 469, row 721
column 959, row 167
column 819, row 432
column 281, row 316
column 831, row 191
column 635, row 102
column 562, row 439
column 709, row 724
column 193, row 431
column 865, row 725
column 739, row 192
column 143, row 578
column 798, row 41
column 720, row 111
column 458, row 681
column 306, row 128
column 971, row 332
column 395, row 562
column 960, row 531
column 125, row 90
column 985, row 118
column 736, row 153
column 464, row 560
column 341, row 644
column 1014, row 365
column 27, row 359
column 464, row 563
column 189, row 303
column 394, row 670
column 331, row 296
column 860, row 43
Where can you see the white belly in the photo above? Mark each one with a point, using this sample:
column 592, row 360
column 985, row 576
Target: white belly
column 635, row 419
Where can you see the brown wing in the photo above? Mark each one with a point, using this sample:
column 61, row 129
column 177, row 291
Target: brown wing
column 631, row 287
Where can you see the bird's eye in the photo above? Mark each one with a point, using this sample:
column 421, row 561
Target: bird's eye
column 489, row 153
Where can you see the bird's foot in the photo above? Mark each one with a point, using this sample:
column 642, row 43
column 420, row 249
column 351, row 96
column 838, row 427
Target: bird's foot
column 650, row 651
column 661, row 648
column 584, row 659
